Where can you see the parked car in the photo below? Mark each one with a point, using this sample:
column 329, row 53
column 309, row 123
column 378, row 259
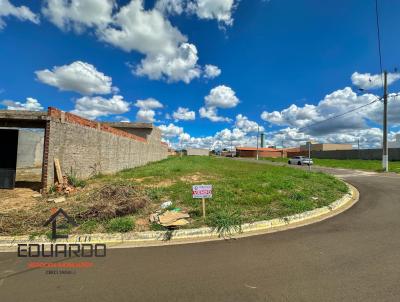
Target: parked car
column 300, row 160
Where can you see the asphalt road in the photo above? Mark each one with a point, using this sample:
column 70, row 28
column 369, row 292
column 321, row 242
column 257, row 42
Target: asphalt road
column 351, row 257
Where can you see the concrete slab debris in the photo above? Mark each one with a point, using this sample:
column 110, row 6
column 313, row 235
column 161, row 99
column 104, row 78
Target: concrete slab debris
column 60, row 199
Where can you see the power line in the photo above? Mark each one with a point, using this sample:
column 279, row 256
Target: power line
column 340, row 115
column 379, row 39
column 345, row 113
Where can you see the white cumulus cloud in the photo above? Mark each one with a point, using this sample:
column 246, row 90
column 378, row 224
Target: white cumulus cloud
column 145, row 115
column 23, row 13
column 78, row 76
column 149, row 103
column 170, row 131
column 179, row 66
column 211, row 113
column 333, row 104
column 184, row 114
column 94, row 107
column 211, row 71
column 246, row 125
column 221, row 97
column 171, row 7
column 31, row 104
column 320, row 122
column 168, row 55
column 369, row 81
column 79, row 14
column 220, row 10
column 146, row 111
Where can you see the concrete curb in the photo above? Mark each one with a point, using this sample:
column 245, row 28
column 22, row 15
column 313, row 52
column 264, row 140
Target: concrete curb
column 156, row 238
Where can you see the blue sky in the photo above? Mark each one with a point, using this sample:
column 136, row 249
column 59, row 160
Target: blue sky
column 272, row 55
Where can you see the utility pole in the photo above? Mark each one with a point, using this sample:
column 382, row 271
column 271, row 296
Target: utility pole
column 385, row 162
column 258, row 134
column 309, row 155
column 231, row 147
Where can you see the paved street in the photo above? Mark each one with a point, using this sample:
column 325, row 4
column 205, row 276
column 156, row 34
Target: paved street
column 354, row 256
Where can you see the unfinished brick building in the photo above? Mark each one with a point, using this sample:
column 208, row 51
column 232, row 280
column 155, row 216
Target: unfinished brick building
column 83, row 147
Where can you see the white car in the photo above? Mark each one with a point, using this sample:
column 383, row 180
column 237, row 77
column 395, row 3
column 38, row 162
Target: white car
column 300, row 160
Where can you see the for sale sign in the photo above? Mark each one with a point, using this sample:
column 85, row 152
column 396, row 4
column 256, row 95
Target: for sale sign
column 202, row 191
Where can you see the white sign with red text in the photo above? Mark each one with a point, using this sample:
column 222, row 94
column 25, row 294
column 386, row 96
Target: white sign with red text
column 202, row 191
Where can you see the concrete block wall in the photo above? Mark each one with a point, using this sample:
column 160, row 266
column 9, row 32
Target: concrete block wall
column 367, row 154
column 87, row 148
column 394, row 154
column 30, row 148
column 200, row 152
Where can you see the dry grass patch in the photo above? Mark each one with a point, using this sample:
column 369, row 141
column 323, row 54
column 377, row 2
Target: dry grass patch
column 112, row 201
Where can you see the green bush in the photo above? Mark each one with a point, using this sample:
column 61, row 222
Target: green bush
column 120, row 225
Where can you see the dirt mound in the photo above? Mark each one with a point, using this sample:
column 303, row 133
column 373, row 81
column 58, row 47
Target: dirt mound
column 114, row 200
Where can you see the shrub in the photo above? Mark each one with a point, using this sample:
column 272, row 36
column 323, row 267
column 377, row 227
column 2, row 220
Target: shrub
column 120, row 225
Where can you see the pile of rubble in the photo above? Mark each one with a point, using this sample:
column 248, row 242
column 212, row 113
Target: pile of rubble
column 65, row 187
column 169, row 218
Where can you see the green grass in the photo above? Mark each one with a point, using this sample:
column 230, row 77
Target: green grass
column 226, row 223
column 256, row 191
column 120, row 224
column 89, row 226
column 360, row 164
column 242, row 192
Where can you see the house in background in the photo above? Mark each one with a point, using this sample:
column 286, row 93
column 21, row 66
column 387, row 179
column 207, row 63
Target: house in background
column 396, row 143
column 325, row 147
column 197, row 151
column 262, row 152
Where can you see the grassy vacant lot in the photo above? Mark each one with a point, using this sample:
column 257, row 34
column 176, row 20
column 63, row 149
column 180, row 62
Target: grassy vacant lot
column 370, row 165
column 243, row 192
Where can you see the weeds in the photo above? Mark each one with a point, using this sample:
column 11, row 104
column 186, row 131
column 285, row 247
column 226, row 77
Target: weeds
column 114, row 200
column 75, row 181
column 89, row 227
column 225, row 222
column 52, row 189
column 157, row 227
column 120, row 225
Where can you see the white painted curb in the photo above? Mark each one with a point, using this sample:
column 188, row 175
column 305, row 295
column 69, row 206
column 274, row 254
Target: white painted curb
column 152, row 238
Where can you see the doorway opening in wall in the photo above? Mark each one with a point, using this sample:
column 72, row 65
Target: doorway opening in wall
column 30, row 159
column 21, row 159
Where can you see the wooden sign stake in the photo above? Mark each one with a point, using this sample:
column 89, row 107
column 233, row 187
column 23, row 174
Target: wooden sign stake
column 203, row 200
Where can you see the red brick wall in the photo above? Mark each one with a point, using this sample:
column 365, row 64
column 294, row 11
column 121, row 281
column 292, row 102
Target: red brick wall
column 45, row 162
column 270, row 154
column 74, row 119
column 253, row 153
